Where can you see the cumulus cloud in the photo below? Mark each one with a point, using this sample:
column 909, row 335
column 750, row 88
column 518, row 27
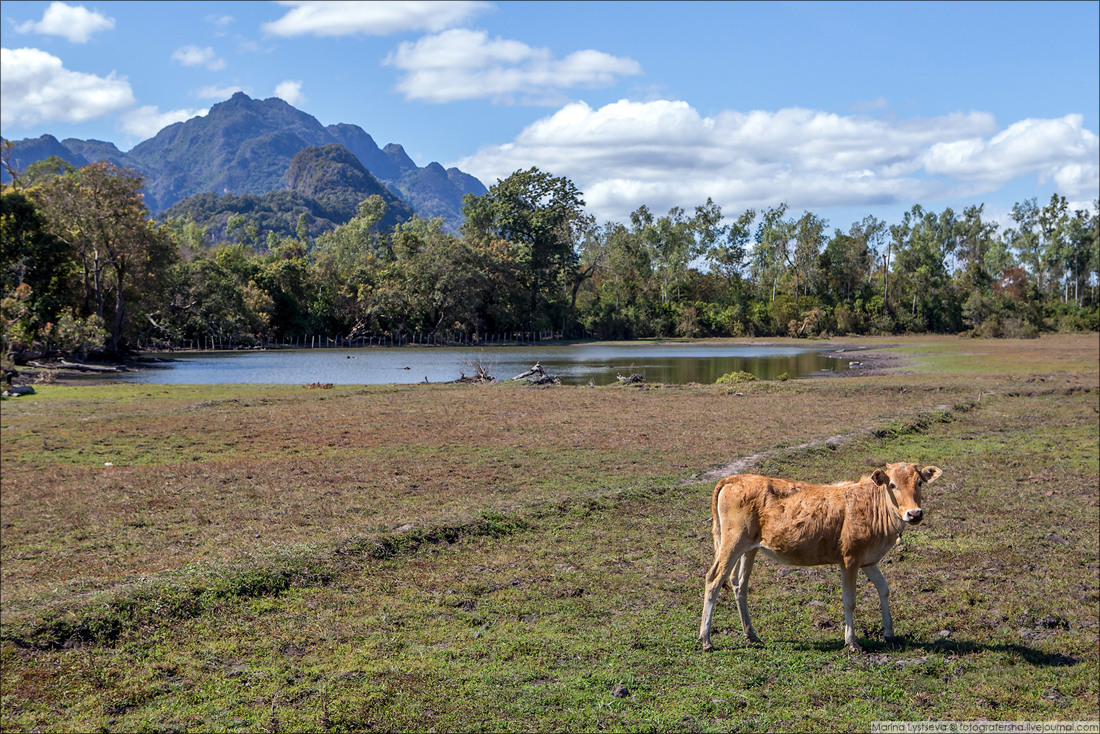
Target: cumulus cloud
column 146, row 121
column 215, row 92
column 36, row 87
column 195, row 56
column 1060, row 149
column 290, row 91
column 75, row 23
column 664, row 153
column 369, row 18
column 464, row 64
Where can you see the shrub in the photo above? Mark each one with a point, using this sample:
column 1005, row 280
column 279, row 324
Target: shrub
column 734, row 378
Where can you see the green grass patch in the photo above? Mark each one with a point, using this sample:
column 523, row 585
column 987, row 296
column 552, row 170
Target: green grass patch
column 516, row 560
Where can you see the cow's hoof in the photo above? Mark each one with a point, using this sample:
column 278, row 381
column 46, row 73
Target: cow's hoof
column 753, row 639
column 707, row 647
column 891, row 640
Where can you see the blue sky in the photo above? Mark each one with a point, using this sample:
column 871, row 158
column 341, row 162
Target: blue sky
column 844, row 109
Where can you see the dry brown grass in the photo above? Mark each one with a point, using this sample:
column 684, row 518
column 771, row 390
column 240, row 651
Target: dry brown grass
column 203, row 479
column 535, row 626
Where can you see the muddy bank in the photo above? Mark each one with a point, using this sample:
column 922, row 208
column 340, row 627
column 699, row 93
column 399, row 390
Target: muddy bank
column 872, row 360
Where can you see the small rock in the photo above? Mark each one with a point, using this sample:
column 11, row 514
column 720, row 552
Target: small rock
column 620, row 691
column 815, row 603
column 945, row 633
column 1052, row 621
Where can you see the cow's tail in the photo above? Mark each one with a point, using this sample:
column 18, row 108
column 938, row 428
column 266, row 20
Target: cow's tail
column 716, row 528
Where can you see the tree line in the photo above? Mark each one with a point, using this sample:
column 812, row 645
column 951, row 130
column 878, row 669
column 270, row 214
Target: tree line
column 85, row 269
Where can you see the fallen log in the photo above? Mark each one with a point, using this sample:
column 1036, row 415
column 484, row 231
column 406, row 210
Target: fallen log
column 86, row 367
column 633, row 378
column 536, row 376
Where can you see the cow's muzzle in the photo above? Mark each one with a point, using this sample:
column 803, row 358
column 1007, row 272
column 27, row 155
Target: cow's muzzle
column 914, row 517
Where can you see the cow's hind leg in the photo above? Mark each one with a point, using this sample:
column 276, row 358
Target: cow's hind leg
column 876, row 577
column 741, row 579
column 735, row 543
column 848, row 589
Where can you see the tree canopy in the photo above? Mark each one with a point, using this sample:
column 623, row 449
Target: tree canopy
column 82, row 265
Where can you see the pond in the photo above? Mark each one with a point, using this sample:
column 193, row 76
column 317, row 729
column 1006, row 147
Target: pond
column 574, row 364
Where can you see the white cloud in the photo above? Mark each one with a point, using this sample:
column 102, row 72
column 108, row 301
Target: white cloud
column 464, row 64
column 1060, row 149
column 145, row 122
column 215, row 92
column 75, row 23
column 290, row 91
column 664, row 153
column 219, row 21
column 195, row 56
column 36, row 87
column 370, row 18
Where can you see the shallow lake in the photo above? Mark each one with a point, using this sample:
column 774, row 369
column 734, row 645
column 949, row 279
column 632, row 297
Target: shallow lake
column 574, row 364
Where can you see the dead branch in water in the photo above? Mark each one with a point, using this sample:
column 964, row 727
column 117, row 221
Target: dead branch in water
column 537, row 376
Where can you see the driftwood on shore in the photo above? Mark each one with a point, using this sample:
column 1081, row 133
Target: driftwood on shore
column 63, row 364
column 537, row 376
column 630, row 379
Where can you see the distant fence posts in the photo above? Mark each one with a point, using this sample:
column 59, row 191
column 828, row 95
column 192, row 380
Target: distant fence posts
column 209, row 342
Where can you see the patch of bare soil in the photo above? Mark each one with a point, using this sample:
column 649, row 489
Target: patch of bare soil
column 868, row 361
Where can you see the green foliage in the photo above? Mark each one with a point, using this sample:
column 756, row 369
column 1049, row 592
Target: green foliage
column 339, row 255
column 31, row 256
column 77, row 336
column 735, row 378
column 531, row 210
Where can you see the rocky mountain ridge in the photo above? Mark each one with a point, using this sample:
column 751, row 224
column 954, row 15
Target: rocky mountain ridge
column 245, row 146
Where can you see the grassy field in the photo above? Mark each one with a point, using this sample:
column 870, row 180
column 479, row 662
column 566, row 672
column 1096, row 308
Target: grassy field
column 508, row 558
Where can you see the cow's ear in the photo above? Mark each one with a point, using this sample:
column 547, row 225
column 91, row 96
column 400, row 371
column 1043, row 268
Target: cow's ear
column 880, row 477
column 930, row 473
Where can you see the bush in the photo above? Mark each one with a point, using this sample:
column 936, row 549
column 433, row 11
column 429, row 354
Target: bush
column 77, row 336
column 734, row 378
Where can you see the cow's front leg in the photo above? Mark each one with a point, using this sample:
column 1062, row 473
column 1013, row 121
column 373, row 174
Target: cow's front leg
column 876, row 577
column 741, row 575
column 848, row 589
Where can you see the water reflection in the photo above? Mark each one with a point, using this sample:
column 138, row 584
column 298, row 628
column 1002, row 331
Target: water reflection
column 574, row 364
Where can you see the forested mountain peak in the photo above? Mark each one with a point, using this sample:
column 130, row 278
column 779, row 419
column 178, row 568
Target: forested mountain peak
column 334, row 177
column 245, row 146
column 32, row 150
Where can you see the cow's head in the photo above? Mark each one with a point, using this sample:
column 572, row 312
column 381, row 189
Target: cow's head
column 903, row 482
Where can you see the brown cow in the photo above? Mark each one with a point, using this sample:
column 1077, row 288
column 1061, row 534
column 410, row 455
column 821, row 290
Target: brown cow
column 851, row 524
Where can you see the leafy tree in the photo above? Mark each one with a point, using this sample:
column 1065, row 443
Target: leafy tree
column 848, row 259
column 809, row 235
column 1026, row 240
column 727, row 254
column 31, row 256
column 99, row 212
column 772, row 240
column 923, row 242
column 531, row 210
column 974, row 241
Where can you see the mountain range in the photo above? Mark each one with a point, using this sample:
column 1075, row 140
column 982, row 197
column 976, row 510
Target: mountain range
column 245, row 146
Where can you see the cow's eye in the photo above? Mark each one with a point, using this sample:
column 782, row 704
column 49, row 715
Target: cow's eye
column 893, row 486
